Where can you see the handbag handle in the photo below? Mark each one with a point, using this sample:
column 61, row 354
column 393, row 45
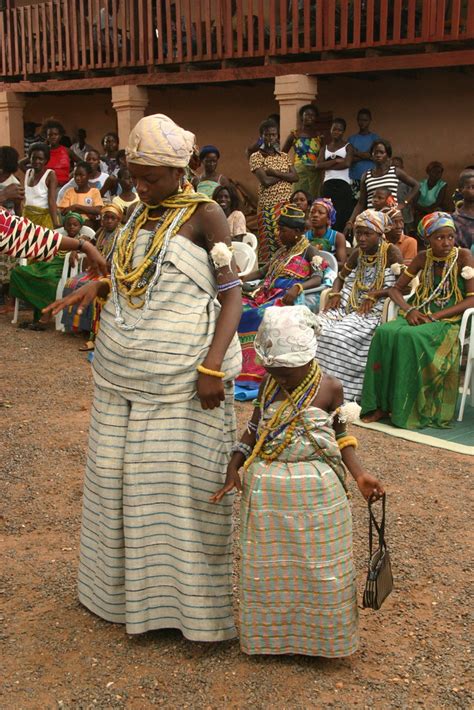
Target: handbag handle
column 379, row 527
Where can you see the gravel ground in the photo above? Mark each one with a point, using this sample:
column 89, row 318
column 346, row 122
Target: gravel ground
column 413, row 653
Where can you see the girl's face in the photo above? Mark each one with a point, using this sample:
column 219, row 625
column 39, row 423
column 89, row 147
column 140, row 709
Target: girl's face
column 81, row 177
column 309, row 118
column 442, row 241
column 379, row 199
column 110, row 144
column 53, row 136
column 210, row 162
column 396, row 231
column 319, row 216
column 288, row 236
column 126, row 182
column 38, row 160
column 367, row 239
column 379, row 154
column 72, row 227
column 300, row 200
column 223, row 199
column 93, row 159
column 110, row 221
column 337, row 131
column 289, row 377
column 155, row 183
column 468, row 190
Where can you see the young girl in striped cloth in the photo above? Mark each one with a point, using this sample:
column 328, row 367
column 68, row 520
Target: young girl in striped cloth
column 298, row 587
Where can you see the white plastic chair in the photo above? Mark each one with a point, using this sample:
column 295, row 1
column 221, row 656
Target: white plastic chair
column 467, row 339
column 251, row 240
column 332, row 261
column 245, row 257
column 22, row 262
column 67, row 273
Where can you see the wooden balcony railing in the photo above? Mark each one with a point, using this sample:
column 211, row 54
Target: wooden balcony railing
column 63, row 36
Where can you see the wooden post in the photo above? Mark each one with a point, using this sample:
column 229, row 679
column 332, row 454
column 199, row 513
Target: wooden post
column 292, row 91
column 130, row 102
column 11, row 120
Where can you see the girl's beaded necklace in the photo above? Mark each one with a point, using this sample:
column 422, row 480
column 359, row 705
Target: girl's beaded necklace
column 366, row 262
column 448, row 286
column 282, row 257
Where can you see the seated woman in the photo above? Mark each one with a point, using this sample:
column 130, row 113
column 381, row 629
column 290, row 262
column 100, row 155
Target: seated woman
column 290, row 272
column 36, row 283
column 226, row 196
column 83, row 199
column 355, row 304
column 412, row 372
column 321, row 234
column 89, row 319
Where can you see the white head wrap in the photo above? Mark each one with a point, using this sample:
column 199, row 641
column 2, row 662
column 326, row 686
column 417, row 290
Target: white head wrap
column 287, row 336
column 157, row 140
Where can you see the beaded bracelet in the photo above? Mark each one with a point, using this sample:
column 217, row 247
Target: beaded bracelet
column 241, row 448
column 230, row 284
column 369, row 298
column 251, row 426
column 347, row 441
column 213, row 373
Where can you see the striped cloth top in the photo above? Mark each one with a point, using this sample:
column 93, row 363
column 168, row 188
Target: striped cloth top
column 388, row 180
column 21, row 238
column 157, row 360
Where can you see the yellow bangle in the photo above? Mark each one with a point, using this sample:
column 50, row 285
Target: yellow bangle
column 347, row 441
column 408, row 273
column 213, row 373
column 300, row 286
column 332, row 294
column 469, row 293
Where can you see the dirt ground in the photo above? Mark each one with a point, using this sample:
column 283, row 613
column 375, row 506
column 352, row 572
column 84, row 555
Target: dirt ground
column 55, row 654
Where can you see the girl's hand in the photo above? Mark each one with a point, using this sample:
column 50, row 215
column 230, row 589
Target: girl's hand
column 369, row 485
column 332, row 303
column 210, row 391
column 80, row 298
column 290, row 296
column 417, row 318
column 366, row 305
column 232, row 480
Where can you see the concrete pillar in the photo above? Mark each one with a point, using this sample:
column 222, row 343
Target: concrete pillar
column 292, row 91
column 130, row 102
column 11, row 120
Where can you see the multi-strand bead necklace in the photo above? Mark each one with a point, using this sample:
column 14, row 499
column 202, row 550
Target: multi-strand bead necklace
column 427, row 293
column 366, row 262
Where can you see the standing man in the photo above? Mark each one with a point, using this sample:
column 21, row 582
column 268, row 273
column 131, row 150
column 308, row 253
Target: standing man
column 361, row 143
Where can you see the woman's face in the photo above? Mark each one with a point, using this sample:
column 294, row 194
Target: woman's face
column 289, row 377
column 435, row 173
column 38, row 160
column 210, row 163
column 367, row 239
column 396, row 231
column 224, row 200
column 300, row 201
column 155, row 183
column 337, row 131
column 308, row 118
column 379, row 154
column 270, row 136
column 319, row 216
column 109, row 221
column 110, row 144
column 72, row 227
column 53, row 136
column 288, row 236
column 93, row 159
column 442, row 241
column 81, row 177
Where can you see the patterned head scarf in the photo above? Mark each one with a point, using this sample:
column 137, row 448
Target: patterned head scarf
column 112, row 208
column 292, row 217
column 158, row 140
column 329, row 207
column 80, row 218
column 206, row 149
column 378, row 221
column 392, row 213
column 434, row 221
column 287, row 336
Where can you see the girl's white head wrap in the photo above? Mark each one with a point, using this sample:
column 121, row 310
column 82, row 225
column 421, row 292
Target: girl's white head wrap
column 287, row 336
column 158, row 140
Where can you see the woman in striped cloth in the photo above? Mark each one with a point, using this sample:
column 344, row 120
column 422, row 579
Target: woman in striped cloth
column 155, row 553
column 383, row 175
column 355, row 303
column 298, row 584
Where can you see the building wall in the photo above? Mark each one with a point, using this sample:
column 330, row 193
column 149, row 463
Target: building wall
column 426, row 118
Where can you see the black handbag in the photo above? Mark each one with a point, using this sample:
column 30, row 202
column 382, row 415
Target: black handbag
column 379, row 582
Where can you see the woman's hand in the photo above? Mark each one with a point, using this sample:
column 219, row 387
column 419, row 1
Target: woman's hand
column 291, row 295
column 367, row 304
column 332, row 302
column 369, row 485
column 232, row 480
column 80, row 298
column 210, row 391
column 417, row 318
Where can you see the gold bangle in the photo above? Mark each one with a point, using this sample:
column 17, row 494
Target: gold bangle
column 408, row 273
column 370, row 298
column 300, row 287
column 332, row 294
column 213, row 373
column 469, row 293
column 347, row 441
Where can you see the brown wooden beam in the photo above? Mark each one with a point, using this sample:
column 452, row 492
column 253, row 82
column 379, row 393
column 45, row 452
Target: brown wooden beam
column 394, row 62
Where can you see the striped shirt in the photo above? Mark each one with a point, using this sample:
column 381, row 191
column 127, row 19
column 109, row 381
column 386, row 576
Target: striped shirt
column 21, row 238
column 388, row 180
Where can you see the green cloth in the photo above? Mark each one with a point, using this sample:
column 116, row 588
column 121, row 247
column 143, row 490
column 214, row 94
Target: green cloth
column 309, row 179
column 37, row 283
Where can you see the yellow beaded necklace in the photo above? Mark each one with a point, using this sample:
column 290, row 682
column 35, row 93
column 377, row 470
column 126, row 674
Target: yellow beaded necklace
column 448, row 286
column 360, row 286
column 286, row 416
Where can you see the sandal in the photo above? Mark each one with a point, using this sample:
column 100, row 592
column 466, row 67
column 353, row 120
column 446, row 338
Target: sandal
column 87, row 347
